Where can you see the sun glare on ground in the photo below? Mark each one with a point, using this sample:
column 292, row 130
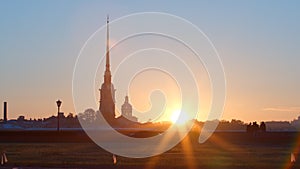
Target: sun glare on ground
column 180, row 121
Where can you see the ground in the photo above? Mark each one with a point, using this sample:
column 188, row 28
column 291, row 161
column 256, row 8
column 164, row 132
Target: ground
column 221, row 151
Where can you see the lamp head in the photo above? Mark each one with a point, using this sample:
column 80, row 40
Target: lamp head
column 58, row 102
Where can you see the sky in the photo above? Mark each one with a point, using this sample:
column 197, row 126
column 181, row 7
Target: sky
column 258, row 43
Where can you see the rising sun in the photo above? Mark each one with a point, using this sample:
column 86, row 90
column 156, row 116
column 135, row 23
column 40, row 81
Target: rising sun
column 178, row 117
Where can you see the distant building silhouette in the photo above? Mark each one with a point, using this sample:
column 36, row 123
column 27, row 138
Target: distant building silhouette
column 127, row 110
column 296, row 123
column 279, row 126
column 61, row 115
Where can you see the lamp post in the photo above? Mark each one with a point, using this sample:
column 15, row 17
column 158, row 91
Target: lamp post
column 58, row 103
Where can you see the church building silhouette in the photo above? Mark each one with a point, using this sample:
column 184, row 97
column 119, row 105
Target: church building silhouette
column 107, row 95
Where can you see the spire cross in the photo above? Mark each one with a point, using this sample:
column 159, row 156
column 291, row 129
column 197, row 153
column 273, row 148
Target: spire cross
column 107, row 44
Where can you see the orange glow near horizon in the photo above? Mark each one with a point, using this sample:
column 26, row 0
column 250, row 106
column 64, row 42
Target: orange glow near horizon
column 174, row 118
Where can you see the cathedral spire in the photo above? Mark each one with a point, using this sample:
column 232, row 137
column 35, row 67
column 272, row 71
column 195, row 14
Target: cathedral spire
column 107, row 75
column 107, row 91
column 107, row 43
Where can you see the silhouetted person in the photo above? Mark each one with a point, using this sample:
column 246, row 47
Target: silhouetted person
column 249, row 128
column 255, row 128
column 262, row 127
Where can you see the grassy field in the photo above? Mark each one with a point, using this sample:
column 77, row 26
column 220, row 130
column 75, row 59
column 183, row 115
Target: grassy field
column 218, row 152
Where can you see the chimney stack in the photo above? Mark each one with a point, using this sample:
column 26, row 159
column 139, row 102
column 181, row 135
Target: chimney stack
column 5, row 112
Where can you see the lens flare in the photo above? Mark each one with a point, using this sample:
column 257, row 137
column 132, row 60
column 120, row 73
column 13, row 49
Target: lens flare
column 179, row 117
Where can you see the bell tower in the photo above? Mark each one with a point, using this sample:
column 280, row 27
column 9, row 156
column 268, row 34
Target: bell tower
column 107, row 91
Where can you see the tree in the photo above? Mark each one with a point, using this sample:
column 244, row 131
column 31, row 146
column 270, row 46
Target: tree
column 70, row 115
column 89, row 116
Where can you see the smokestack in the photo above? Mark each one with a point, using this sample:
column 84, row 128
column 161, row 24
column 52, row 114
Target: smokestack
column 5, row 112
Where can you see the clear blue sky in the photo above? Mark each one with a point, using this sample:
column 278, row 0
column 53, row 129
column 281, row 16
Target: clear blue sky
column 258, row 42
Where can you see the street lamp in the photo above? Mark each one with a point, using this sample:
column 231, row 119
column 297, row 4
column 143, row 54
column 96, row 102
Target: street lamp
column 58, row 103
